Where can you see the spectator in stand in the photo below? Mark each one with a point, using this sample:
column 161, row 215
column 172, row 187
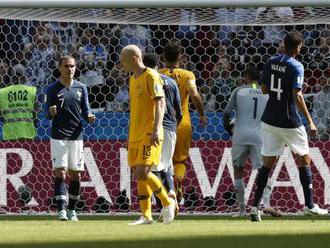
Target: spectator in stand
column 40, row 60
column 130, row 34
column 321, row 109
column 118, row 96
column 222, row 82
column 93, row 58
column 4, row 79
column 208, row 95
column 273, row 35
column 67, row 34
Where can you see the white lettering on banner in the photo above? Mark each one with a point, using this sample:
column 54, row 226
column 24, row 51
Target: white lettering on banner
column 207, row 189
column 203, row 179
column 14, row 179
column 324, row 171
column 289, row 163
column 96, row 180
column 125, row 173
column 285, row 160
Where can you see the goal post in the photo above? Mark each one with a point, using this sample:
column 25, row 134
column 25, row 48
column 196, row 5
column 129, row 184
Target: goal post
column 219, row 39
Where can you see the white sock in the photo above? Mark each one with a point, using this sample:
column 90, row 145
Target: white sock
column 240, row 193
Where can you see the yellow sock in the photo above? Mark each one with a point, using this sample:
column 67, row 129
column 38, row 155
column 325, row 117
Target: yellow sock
column 180, row 171
column 158, row 189
column 144, row 196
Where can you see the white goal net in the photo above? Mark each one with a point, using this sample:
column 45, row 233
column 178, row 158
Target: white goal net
column 218, row 43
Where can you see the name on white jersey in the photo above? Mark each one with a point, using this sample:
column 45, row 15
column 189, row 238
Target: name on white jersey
column 255, row 91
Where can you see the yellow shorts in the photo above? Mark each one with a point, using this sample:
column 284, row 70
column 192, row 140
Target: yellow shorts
column 142, row 153
column 181, row 152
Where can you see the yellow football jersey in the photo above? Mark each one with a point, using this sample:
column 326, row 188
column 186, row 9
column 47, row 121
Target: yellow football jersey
column 185, row 80
column 142, row 91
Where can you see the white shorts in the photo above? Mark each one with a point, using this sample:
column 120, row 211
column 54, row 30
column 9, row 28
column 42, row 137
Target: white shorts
column 166, row 162
column 274, row 140
column 67, row 154
column 240, row 153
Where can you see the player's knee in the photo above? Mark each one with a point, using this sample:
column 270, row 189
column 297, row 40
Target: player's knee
column 141, row 173
column 141, row 176
column 269, row 162
column 304, row 161
column 180, row 171
column 75, row 175
column 238, row 172
column 60, row 173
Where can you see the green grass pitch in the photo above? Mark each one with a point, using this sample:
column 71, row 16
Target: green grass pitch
column 186, row 231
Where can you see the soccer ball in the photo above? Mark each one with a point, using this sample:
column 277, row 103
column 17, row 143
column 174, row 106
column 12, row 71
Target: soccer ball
column 24, row 194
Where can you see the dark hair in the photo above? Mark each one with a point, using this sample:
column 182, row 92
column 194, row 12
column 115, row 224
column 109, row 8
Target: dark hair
column 65, row 58
column 172, row 52
column 293, row 40
column 150, row 60
column 253, row 73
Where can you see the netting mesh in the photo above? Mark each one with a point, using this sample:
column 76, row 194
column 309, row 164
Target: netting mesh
column 175, row 16
column 218, row 45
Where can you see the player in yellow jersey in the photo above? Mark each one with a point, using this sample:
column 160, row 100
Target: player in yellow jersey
column 147, row 106
column 187, row 86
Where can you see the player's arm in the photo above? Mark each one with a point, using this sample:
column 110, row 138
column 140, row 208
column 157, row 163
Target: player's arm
column 86, row 111
column 177, row 104
column 264, row 89
column 300, row 101
column 227, row 113
column 51, row 108
column 155, row 87
column 297, row 84
column 159, row 116
column 197, row 101
column 264, row 85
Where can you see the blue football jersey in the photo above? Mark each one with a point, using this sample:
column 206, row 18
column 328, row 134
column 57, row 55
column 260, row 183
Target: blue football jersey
column 72, row 107
column 281, row 75
column 173, row 112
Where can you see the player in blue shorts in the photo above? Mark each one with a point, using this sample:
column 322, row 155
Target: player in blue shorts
column 283, row 78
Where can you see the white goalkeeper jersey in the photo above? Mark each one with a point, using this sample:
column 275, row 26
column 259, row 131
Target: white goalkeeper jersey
column 249, row 104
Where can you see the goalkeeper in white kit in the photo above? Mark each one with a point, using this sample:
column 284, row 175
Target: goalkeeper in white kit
column 248, row 102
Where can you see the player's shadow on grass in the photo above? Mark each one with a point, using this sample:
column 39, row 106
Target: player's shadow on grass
column 252, row 241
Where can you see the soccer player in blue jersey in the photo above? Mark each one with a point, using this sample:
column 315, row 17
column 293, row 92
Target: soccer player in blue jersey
column 67, row 105
column 283, row 78
column 172, row 118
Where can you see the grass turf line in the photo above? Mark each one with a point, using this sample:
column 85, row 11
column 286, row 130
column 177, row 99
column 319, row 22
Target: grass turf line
column 199, row 232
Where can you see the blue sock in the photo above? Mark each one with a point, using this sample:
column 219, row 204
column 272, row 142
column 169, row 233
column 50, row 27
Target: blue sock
column 305, row 175
column 74, row 190
column 60, row 193
column 261, row 182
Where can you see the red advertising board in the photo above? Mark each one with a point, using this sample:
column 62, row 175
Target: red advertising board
column 208, row 185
